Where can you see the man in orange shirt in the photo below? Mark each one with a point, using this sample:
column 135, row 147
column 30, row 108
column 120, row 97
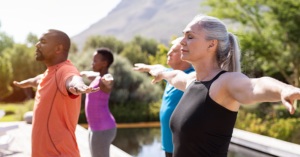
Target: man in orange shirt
column 57, row 101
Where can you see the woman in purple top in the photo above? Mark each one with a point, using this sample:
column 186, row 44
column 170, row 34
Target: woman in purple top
column 102, row 125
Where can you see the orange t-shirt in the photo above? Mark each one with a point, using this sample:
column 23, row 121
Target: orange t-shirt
column 55, row 114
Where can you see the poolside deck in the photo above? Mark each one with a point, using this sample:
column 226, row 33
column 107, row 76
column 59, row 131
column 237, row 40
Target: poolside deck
column 21, row 145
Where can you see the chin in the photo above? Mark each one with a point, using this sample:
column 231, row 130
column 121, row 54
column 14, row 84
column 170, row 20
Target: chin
column 168, row 62
column 185, row 58
column 39, row 58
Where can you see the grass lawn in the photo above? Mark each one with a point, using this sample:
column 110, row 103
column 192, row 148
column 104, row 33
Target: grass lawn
column 15, row 111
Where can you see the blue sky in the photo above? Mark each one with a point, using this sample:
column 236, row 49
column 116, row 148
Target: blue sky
column 20, row 17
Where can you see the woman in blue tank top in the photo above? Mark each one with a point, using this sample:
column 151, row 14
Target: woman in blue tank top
column 203, row 120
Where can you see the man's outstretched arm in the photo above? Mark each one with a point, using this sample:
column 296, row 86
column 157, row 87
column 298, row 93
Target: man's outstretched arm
column 147, row 68
column 76, row 86
column 32, row 82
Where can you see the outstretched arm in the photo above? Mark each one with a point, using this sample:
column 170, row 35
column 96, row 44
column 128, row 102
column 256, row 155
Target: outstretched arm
column 76, row 86
column 147, row 68
column 106, row 83
column 265, row 89
column 89, row 74
column 176, row 78
column 32, row 82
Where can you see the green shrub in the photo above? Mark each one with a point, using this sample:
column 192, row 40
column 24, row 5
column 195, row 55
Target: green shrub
column 285, row 129
column 135, row 111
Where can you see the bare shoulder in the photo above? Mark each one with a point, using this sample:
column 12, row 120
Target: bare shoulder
column 231, row 80
column 231, row 77
column 221, row 90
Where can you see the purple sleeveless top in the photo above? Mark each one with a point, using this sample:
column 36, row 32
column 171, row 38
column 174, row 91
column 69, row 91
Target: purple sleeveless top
column 97, row 110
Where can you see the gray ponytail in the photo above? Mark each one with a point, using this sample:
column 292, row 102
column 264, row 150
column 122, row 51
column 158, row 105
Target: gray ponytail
column 228, row 52
column 232, row 61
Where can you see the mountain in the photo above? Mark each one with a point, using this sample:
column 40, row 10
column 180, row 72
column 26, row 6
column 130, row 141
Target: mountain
column 158, row 19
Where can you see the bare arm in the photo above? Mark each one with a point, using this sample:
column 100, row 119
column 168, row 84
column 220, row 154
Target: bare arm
column 248, row 91
column 32, row 82
column 89, row 74
column 147, row 68
column 76, row 86
column 176, row 78
column 106, row 83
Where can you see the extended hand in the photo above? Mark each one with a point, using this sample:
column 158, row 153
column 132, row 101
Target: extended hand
column 107, row 79
column 157, row 76
column 84, row 73
column 288, row 96
column 22, row 84
column 141, row 67
column 82, row 88
column 89, row 74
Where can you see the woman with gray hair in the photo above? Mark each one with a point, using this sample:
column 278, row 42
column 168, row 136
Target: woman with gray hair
column 203, row 120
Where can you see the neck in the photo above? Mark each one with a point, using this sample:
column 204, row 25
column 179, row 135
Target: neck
column 206, row 70
column 55, row 61
column 103, row 72
column 182, row 67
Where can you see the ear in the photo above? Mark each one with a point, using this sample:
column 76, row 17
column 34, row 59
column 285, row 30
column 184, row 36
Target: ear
column 213, row 44
column 59, row 49
column 104, row 63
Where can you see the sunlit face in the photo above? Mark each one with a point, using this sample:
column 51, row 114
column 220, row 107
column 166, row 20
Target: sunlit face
column 98, row 62
column 193, row 45
column 174, row 56
column 45, row 48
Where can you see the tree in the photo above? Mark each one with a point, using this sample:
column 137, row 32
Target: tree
column 98, row 41
column 5, row 65
column 147, row 45
column 31, row 40
column 73, row 48
column 5, row 75
column 133, row 52
column 269, row 34
column 5, row 41
column 23, row 66
column 130, row 85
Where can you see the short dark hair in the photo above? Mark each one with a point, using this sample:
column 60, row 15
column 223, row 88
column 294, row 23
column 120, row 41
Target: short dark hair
column 107, row 55
column 62, row 38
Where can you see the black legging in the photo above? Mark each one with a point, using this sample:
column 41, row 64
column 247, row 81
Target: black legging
column 169, row 154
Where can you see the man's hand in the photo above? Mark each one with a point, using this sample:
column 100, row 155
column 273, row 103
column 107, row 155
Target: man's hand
column 32, row 82
column 22, row 84
column 76, row 86
column 82, row 88
column 147, row 68
column 157, row 74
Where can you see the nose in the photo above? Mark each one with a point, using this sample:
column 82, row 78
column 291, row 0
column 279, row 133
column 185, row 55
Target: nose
column 183, row 42
column 169, row 53
column 37, row 44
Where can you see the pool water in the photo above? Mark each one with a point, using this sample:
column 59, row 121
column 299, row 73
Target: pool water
column 146, row 142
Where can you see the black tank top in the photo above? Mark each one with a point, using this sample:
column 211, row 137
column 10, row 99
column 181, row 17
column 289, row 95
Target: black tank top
column 200, row 126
